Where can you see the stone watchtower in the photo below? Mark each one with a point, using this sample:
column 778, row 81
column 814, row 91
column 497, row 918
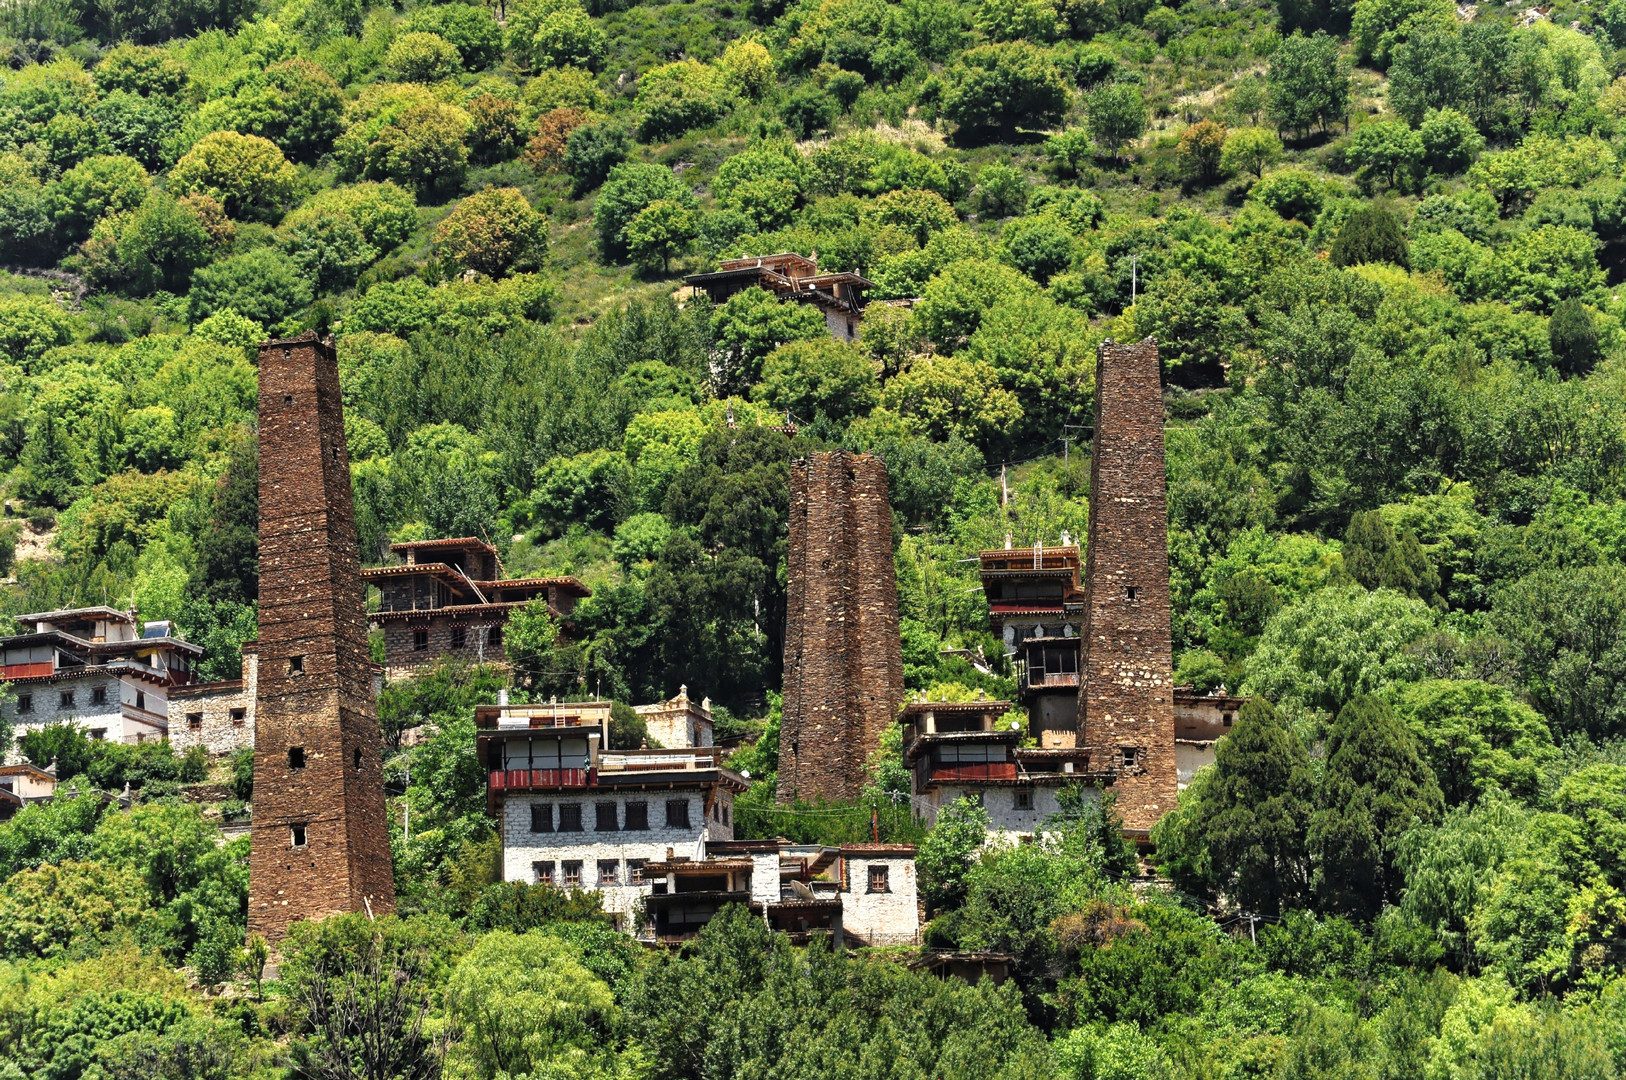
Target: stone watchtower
column 320, row 844
column 843, row 657
column 1126, row 692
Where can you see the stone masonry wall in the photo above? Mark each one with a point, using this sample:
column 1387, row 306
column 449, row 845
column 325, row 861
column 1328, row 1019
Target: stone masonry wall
column 881, row 918
column 224, row 712
column 843, row 657
column 404, row 660
column 1126, row 692
column 318, row 770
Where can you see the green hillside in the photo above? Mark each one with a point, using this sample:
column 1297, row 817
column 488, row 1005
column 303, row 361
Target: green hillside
column 1379, row 245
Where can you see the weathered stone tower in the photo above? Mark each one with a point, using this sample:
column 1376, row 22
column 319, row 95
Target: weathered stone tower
column 843, row 657
column 319, row 839
column 1126, row 692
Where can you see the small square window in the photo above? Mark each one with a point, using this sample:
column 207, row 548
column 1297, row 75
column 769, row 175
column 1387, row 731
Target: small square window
column 571, row 873
column 677, row 813
column 605, row 813
column 494, row 636
column 420, row 640
column 879, row 879
column 1228, row 718
column 98, row 696
column 238, row 716
column 64, row 698
column 296, row 833
column 635, row 871
column 726, row 814
column 98, row 733
column 460, row 637
column 541, row 817
column 570, row 817
column 296, row 757
column 296, row 665
column 25, row 703
column 543, row 872
column 609, row 872
column 194, row 721
column 637, row 817
column 1132, row 592
column 287, row 399
column 1024, row 800
column 141, row 699
column 1128, row 757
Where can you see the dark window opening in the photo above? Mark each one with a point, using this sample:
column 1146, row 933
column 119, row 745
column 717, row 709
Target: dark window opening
column 420, row 639
column 460, row 637
column 194, row 721
column 1024, row 800
column 287, row 399
column 572, row 872
column 296, row 665
column 677, row 813
column 141, row 699
column 606, row 817
column 297, row 834
column 1130, row 591
column 238, row 716
column 637, row 817
column 494, row 636
column 357, row 762
column 25, row 703
column 335, row 453
column 1228, row 718
column 541, row 817
column 65, row 698
column 878, row 879
column 1128, row 757
column 570, row 817
column 98, row 696
column 296, row 757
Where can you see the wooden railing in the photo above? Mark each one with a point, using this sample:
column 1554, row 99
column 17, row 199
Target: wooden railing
column 519, row 779
column 993, row 770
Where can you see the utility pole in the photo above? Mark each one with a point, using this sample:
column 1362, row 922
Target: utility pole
column 1134, row 277
column 1004, row 492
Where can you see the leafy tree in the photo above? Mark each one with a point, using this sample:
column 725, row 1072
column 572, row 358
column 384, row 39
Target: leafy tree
column 753, row 323
column 1386, row 150
column 491, row 231
column 946, row 855
column 1308, row 83
column 97, row 186
column 363, row 989
column 750, row 67
column 556, row 33
column 818, row 377
column 228, row 545
column 1201, row 150
column 992, row 90
column 1574, row 338
column 264, row 284
column 1117, row 115
column 139, row 69
column 954, row 302
column 246, row 173
column 1292, row 193
column 920, row 213
column 1477, row 738
column 1379, row 559
column 680, row 97
column 1566, row 626
column 418, row 56
column 1376, row 786
column 524, row 1003
column 631, row 187
column 546, row 150
column 424, row 148
column 469, row 27
column 1335, row 645
column 30, row 325
column 808, row 110
column 295, row 103
column 328, row 246
column 1379, row 26
column 661, row 231
column 1039, row 247
column 1450, row 141
column 1250, row 149
column 1429, row 72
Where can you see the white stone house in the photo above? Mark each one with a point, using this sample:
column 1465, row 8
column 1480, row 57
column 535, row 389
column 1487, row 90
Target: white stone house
column 679, row 721
column 218, row 716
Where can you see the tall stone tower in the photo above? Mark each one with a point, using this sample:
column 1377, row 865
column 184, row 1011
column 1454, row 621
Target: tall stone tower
column 1126, row 691
column 320, row 844
column 843, row 656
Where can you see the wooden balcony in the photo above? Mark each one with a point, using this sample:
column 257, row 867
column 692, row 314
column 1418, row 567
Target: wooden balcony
column 993, row 770
column 531, row 779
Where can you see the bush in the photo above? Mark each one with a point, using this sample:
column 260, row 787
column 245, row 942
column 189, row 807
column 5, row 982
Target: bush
column 679, row 97
column 545, row 152
column 1372, row 234
column 493, row 230
column 29, row 325
column 554, row 34
column 993, row 90
column 98, row 186
column 1292, row 193
column 1574, row 338
column 1251, row 150
column 471, row 29
column 247, row 174
column 1450, row 142
column 592, row 151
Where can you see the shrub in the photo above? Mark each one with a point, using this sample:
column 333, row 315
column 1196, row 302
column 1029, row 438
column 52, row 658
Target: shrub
column 631, row 187
column 1201, row 149
column 592, row 151
column 1450, row 141
column 491, row 231
column 545, row 152
column 679, row 97
column 31, row 324
column 422, row 57
column 1574, row 338
column 555, row 33
column 264, row 284
column 750, row 68
column 1373, row 233
column 495, row 132
column 1292, row 193
column 98, row 186
column 470, row 29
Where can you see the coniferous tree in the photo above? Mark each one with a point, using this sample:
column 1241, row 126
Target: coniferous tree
column 229, row 547
column 1375, row 787
column 1371, row 234
column 1378, row 558
column 1574, row 338
column 1258, row 810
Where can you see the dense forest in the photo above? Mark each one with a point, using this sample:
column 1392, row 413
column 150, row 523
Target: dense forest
column 1377, row 242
